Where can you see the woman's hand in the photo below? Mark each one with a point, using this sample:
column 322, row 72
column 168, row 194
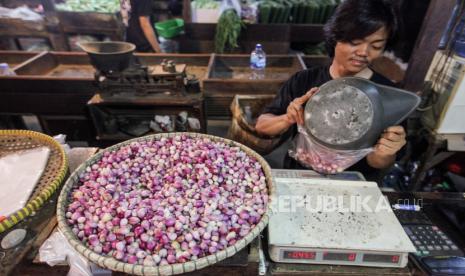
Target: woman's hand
column 295, row 110
column 391, row 141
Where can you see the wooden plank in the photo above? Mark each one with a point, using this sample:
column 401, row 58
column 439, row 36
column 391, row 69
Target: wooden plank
column 310, row 33
column 266, row 32
column 44, row 104
column 195, row 46
column 13, row 27
column 186, row 11
column 436, row 18
column 90, row 23
column 39, row 65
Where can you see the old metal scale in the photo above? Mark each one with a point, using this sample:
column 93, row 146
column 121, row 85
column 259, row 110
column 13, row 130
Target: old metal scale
column 119, row 74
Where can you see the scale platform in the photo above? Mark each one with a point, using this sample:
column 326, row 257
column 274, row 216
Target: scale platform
column 329, row 221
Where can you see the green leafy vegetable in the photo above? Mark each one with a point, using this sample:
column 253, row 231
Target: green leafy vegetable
column 228, row 30
column 105, row 6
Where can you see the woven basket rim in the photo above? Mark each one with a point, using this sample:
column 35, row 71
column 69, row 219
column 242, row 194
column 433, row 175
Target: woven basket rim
column 172, row 269
column 239, row 117
column 34, row 204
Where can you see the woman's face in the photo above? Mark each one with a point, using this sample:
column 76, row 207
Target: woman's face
column 354, row 56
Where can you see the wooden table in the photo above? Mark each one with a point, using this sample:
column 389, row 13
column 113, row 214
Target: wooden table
column 23, row 259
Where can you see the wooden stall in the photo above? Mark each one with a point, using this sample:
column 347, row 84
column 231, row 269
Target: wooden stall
column 57, row 87
column 229, row 75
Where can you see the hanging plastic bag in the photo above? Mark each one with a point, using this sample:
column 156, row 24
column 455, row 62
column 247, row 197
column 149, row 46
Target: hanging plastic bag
column 320, row 158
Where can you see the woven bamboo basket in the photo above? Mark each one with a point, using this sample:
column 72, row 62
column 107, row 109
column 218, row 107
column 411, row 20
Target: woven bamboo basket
column 243, row 131
column 55, row 171
column 115, row 265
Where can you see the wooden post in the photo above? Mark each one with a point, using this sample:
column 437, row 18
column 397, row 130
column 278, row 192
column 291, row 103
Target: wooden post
column 186, row 10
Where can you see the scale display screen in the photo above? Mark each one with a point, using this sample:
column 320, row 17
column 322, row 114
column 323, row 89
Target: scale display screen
column 379, row 258
column 333, row 256
column 299, row 255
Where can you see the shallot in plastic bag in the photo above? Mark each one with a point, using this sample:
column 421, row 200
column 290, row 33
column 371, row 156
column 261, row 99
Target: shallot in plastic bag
column 311, row 154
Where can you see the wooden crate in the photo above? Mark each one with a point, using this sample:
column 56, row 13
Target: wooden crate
column 16, row 58
column 199, row 37
column 59, row 66
column 228, row 75
column 107, row 113
column 44, row 87
column 92, row 23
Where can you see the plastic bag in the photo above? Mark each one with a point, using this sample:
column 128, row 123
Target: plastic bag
column 20, row 171
column 249, row 12
column 320, row 158
column 56, row 250
column 231, row 4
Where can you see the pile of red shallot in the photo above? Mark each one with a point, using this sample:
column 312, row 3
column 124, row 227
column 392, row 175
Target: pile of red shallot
column 167, row 201
column 329, row 164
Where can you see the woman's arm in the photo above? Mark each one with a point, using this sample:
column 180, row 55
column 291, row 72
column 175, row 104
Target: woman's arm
column 149, row 33
column 272, row 125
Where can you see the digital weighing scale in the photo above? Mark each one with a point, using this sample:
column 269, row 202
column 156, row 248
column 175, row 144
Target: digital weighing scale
column 346, row 233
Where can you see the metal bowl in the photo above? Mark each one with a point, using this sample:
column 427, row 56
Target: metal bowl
column 111, row 56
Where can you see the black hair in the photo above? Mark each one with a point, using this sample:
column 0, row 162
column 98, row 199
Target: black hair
column 357, row 19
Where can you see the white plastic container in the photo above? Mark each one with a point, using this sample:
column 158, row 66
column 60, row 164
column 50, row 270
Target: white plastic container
column 204, row 15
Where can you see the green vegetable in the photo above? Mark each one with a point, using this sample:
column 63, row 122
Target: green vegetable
column 105, row 6
column 296, row 11
column 228, row 30
column 206, row 4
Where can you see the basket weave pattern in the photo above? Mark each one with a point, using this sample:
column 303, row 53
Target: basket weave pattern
column 57, row 166
column 113, row 264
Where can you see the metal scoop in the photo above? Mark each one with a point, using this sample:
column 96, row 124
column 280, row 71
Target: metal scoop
column 351, row 113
